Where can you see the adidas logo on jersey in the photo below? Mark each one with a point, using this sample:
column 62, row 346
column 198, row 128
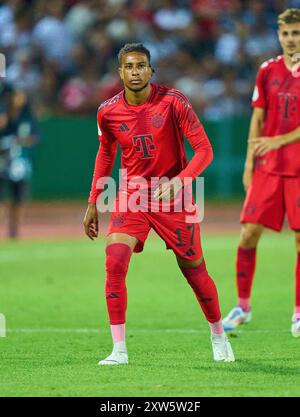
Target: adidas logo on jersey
column 123, row 128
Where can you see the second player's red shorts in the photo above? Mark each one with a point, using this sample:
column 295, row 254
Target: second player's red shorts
column 269, row 198
column 182, row 237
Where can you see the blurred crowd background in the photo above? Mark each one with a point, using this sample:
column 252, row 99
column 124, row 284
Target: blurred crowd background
column 61, row 63
column 62, row 53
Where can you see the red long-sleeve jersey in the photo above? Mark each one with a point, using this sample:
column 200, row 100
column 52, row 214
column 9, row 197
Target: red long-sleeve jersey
column 151, row 138
column 277, row 90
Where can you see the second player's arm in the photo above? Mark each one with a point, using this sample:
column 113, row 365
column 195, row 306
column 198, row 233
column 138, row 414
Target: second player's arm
column 264, row 144
column 255, row 129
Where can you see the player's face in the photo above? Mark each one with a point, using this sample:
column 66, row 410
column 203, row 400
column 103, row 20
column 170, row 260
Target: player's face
column 289, row 38
column 135, row 71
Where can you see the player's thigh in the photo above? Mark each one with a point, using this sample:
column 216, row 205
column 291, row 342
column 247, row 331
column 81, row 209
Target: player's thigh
column 189, row 264
column 128, row 227
column 250, row 235
column 112, row 238
column 181, row 236
column 292, row 201
column 198, row 258
column 264, row 203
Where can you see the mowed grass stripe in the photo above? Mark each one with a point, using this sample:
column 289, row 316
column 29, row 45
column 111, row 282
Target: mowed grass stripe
column 133, row 331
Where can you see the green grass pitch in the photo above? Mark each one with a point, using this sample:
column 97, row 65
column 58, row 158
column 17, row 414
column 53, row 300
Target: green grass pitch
column 51, row 294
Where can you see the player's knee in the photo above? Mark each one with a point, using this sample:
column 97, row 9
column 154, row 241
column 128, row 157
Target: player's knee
column 117, row 259
column 250, row 236
column 189, row 264
column 297, row 241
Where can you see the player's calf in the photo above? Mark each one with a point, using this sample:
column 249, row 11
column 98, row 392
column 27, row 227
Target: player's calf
column 117, row 261
column 207, row 296
column 205, row 291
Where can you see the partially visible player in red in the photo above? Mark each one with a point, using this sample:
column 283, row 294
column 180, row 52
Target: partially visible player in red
column 149, row 122
column 272, row 169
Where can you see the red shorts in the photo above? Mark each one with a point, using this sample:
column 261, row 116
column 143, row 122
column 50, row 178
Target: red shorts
column 269, row 198
column 182, row 237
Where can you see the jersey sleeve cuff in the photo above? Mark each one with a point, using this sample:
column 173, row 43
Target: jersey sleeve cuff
column 93, row 198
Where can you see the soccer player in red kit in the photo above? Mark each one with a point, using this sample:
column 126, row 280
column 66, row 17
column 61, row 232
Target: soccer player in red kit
column 148, row 121
column 272, row 168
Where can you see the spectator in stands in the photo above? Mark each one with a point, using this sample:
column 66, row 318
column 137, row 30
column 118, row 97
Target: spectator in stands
column 18, row 136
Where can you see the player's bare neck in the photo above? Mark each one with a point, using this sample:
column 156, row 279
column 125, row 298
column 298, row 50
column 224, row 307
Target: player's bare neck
column 289, row 63
column 135, row 98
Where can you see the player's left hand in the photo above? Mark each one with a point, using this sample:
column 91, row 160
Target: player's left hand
column 168, row 190
column 90, row 222
column 265, row 144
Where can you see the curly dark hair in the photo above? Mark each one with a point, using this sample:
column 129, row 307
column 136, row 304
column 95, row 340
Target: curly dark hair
column 133, row 47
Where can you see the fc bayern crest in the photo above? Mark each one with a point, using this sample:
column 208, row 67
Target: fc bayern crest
column 118, row 220
column 157, row 120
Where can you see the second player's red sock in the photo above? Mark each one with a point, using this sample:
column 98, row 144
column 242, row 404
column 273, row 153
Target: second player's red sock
column 205, row 291
column 245, row 268
column 117, row 261
column 296, row 315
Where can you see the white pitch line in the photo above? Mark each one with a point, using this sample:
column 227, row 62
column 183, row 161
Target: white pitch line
column 94, row 330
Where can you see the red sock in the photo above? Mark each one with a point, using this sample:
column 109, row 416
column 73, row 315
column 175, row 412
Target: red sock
column 245, row 268
column 205, row 291
column 297, row 287
column 117, row 261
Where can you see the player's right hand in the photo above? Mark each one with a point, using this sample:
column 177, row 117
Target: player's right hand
column 247, row 178
column 90, row 221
